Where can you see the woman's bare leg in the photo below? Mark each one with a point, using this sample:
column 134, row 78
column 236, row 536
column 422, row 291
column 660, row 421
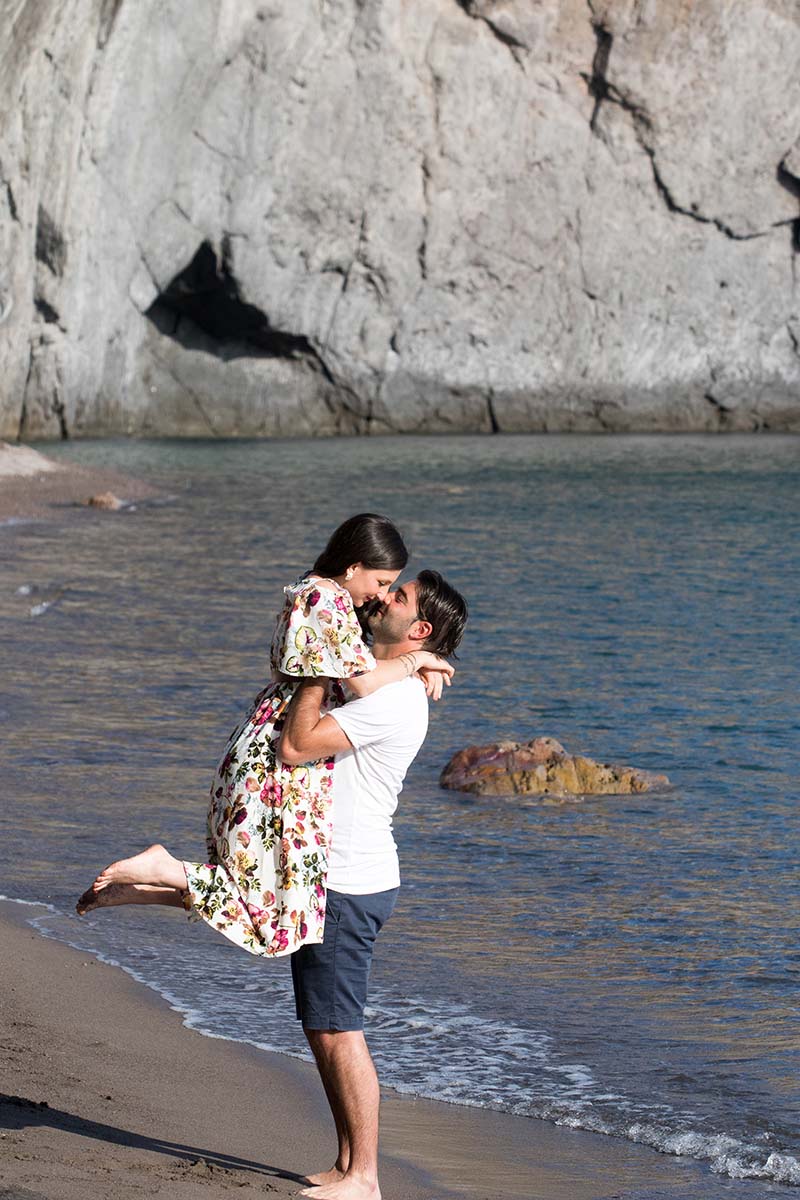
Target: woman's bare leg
column 154, row 866
column 129, row 893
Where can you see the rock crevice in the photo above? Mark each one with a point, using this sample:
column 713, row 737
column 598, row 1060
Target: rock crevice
column 484, row 215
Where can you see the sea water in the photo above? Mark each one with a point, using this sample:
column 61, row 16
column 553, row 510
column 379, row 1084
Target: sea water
column 628, row 964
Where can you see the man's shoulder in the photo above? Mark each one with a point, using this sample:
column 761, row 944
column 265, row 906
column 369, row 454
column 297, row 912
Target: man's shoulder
column 404, row 693
column 394, row 716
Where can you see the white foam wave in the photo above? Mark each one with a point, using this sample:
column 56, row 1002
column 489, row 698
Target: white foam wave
column 448, row 1053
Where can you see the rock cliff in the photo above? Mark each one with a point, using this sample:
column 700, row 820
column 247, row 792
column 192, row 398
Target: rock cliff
column 264, row 217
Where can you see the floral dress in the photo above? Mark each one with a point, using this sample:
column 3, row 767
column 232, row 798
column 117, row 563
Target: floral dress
column 269, row 824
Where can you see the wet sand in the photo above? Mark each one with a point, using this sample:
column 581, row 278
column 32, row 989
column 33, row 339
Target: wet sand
column 34, row 487
column 103, row 1091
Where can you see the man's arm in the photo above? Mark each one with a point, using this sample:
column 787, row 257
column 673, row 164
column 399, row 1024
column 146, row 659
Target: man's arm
column 306, row 736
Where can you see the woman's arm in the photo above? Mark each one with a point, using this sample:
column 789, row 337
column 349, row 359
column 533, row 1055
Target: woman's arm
column 392, row 670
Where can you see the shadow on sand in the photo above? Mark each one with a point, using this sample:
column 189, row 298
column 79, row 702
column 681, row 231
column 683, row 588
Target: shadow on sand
column 16, row 1112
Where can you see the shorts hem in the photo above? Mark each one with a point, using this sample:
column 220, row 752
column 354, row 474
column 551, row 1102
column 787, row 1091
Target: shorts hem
column 319, row 1025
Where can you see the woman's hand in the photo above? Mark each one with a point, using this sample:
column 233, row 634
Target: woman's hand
column 435, row 672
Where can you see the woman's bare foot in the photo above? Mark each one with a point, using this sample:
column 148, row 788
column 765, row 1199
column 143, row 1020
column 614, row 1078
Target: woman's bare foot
column 154, row 866
column 323, row 1177
column 128, row 893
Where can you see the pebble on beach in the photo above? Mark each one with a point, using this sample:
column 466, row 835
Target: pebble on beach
column 106, row 500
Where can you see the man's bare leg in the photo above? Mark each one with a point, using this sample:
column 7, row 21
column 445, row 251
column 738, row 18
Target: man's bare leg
column 129, row 893
column 347, row 1069
column 343, row 1156
column 154, row 866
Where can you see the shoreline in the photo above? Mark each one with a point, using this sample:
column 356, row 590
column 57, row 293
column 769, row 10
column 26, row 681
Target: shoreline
column 35, row 487
column 103, row 1082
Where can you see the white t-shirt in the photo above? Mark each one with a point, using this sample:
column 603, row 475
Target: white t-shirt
column 386, row 730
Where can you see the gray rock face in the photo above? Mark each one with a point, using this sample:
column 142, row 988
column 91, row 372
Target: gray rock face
column 323, row 216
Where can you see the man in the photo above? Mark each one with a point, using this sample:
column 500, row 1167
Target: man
column 374, row 740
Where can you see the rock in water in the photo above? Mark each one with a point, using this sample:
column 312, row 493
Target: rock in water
column 541, row 766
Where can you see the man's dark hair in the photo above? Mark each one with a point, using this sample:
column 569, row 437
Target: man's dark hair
column 445, row 609
column 366, row 538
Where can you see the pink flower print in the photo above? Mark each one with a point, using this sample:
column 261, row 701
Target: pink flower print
column 319, row 889
column 329, row 765
column 313, row 598
column 251, row 784
column 271, row 794
column 240, row 816
column 281, row 939
column 243, row 837
column 268, row 898
column 299, row 922
column 258, row 916
column 341, row 604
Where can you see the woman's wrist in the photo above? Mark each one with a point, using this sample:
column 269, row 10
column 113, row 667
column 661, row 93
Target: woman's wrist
column 409, row 661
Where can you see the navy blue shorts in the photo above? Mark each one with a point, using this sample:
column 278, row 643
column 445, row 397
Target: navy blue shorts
column 330, row 979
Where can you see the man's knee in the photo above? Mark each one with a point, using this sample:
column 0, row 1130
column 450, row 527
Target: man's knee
column 331, row 1041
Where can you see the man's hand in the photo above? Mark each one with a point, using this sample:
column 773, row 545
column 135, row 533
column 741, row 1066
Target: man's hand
column 307, row 736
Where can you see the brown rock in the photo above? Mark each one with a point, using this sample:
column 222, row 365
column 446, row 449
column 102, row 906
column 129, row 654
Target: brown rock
column 541, row 766
column 106, row 500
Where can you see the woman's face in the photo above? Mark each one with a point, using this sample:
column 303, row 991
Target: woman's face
column 364, row 584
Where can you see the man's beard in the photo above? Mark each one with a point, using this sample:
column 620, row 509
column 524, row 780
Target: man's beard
column 383, row 631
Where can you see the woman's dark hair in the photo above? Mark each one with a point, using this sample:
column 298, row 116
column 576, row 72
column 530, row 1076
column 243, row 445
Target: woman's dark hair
column 366, row 538
column 445, row 609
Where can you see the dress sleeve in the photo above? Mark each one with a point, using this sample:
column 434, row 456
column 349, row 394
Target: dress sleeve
column 323, row 637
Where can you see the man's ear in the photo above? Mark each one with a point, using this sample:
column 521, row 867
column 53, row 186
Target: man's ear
column 420, row 631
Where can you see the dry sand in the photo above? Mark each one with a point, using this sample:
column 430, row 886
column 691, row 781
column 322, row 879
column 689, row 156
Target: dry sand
column 33, row 486
column 105, row 1093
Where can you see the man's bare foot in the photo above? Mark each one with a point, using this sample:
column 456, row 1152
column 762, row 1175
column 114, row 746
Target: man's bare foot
column 323, row 1177
column 349, row 1187
column 155, row 866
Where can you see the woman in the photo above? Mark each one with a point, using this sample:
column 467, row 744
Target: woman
column 269, row 825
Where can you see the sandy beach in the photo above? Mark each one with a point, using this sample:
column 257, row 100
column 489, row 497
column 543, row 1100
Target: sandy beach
column 34, row 486
column 105, row 1092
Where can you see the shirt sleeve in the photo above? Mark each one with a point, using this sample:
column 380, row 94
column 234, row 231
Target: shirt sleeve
column 374, row 718
column 323, row 637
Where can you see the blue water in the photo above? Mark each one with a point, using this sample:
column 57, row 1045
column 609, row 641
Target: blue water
column 627, row 965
